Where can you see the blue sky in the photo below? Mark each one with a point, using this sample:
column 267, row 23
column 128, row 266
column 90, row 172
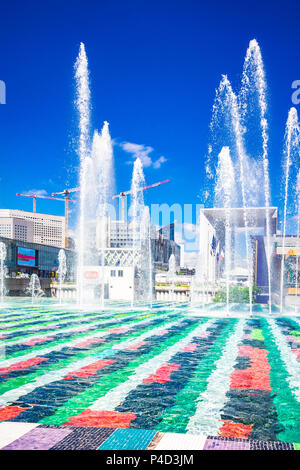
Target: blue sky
column 154, row 67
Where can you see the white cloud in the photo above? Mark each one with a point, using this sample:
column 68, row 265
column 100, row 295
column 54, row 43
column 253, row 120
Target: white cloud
column 143, row 152
column 159, row 161
column 36, row 192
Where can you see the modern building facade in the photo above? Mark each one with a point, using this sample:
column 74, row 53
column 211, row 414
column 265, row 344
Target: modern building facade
column 33, row 227
column 212, row 235
column 163, row 245
column 115, row 269
column 286, row 253
column 24, row 258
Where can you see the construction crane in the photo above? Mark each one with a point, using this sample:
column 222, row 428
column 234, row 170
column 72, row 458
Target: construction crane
column 122, row 195
column 66, row 194
column 34, row 198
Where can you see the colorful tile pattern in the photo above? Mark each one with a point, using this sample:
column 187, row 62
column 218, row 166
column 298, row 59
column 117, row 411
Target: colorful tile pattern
column 136, row 377
column 38, row 439
column 28, row 436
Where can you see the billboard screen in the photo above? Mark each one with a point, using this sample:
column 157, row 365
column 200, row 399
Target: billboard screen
column 26, row 257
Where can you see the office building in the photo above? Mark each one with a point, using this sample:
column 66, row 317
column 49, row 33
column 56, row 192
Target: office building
column 33, row 227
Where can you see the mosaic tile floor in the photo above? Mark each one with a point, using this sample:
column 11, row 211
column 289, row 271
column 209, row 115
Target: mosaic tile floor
column 26, row 436
column 156, row 379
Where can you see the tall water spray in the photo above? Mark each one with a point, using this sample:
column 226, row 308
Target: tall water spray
column 96, row 189
column 226, row 100
column 198, row 281
column 136, row 214
column 2, row 270
column 172, row 275
column 140, row 229
column 225, row 197
column 103, row 188
column 82, row 103
column 34, row 287
column 254, row 82
column 146, row 258
column 298, row 230
column 62, row 271
column 291, row 155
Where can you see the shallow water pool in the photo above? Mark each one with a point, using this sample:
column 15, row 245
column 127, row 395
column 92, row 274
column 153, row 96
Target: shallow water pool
column 169, row 369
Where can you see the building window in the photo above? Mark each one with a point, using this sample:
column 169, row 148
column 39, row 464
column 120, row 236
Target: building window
column 120, row 273
column 113, row 273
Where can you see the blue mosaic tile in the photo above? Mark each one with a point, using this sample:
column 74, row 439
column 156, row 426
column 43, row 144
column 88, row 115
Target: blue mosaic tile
column 128, row 439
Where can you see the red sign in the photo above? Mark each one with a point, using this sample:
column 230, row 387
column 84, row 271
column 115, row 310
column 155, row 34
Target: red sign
column 90, row 275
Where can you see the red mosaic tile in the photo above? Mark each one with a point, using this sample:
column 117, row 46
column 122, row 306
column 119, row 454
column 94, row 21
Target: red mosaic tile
column 118, row 330
column 91, row 369
column 297, row 352
column 22, row 365
column 162, row 375
column 257, row 376
column 230, row 429
column 88, row 342
column 105, row 419
column 190, row 347
column 10, row 412
column 34, row 341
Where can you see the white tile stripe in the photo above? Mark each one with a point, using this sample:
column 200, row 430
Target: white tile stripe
column 290, row 360
column 174, row 441
column 117, row 395
column 211, row 401
column 48, row 377
column 9, row 432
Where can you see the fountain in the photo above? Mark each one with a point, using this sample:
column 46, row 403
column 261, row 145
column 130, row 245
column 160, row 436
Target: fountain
column 298, row 232
column 34, row 287
column 241, row 184
column 225, row 197
column 141, row 237
column 83, row 107
column 2, row 271
column 239, row 121
column 171, row 276
column 62, row 270
column 146, row 258
column 291, row 158
column 103, row 173
column 226, row 103
column 198, row 281
column 96, row 190
column 253, row 81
